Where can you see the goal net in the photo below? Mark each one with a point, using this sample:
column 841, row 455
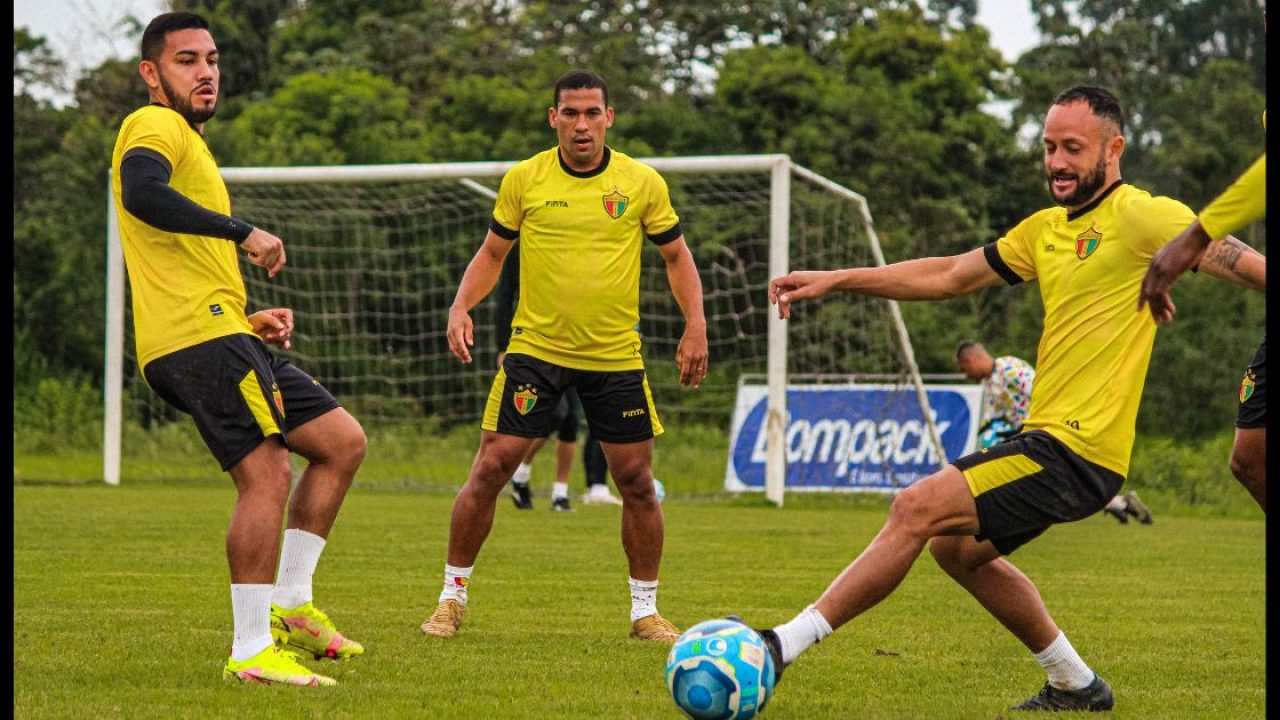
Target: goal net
column 376, row 254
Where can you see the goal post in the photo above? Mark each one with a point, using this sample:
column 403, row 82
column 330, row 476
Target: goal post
column 376, row 252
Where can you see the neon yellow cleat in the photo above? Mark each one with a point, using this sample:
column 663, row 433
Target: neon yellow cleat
column 308, row 629
column 274, row 666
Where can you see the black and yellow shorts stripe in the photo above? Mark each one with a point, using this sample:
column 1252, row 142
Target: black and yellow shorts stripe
column 238, row 393
column 522, row 401
column 1032, row 481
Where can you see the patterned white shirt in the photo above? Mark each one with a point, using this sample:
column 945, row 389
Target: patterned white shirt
column 1006, row 392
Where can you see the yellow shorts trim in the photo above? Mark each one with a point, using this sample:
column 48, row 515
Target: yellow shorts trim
column 494, row 403
column 991, row 475
column 653, row 409
column 251, row 390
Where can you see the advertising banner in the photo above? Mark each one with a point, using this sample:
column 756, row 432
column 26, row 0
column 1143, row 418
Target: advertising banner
column 851, row 437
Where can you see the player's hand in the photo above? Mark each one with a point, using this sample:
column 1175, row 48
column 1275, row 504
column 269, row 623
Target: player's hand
column 274, row 326
column 692, row 355
column 1173, row 259
column 460, row 333
column 265, row 250
column 799, row 285
column 502, row 355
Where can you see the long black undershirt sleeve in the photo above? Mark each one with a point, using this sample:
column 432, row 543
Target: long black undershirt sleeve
column 145, row 193
column 508, row 294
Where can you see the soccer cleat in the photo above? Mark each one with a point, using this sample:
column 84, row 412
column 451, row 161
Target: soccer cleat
column 656, row 628
column 1097, row 697
column 1137, row 508
column 1118, row 514
column 444, row 622
column 561, row 504
column 772, row 642
column 308, row 629
column 274, row 666
column 597, row 497
column 521, row 496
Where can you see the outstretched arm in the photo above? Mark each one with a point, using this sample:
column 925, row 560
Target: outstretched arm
column 686, row 286
column 932, row 278
column 477, row 282
column 1229, row 260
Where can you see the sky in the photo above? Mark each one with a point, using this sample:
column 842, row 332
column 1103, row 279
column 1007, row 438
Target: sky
column 83, row 33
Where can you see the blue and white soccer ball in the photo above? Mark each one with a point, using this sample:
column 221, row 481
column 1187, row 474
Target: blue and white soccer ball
column 720, row 670
column 659, row 489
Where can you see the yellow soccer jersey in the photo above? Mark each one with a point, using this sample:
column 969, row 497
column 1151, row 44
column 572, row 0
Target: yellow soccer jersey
column 1244, row 203
column 580, row 240
column 1095, row 348
column 186, row 288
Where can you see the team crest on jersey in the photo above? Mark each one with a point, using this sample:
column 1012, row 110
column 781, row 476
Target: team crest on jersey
column 615, row 203
column 278, row 398
column 1247, row 385
column 1087, row 242
column 525, row 397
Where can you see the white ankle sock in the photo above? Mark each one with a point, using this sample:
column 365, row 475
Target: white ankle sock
column 1066, row 670
column 644, row 598
column 251, row 615
column 559, row 490
column 522, row 474
column 298, row 559
column 803, row 632
column 1117, row 503
column 456, row 580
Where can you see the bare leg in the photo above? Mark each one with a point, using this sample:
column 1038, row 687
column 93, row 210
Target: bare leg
column 253, row 538
column 631, row 465
column 532, row 452
column 1249, row 462
column 473, row 511
column 564, row 460
column 1001, row 588
column 941, row 504
column 334, row 445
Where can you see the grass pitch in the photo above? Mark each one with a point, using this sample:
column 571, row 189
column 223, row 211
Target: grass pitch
column 121, row 608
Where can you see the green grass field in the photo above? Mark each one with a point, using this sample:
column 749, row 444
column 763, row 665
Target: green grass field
column 121, row 608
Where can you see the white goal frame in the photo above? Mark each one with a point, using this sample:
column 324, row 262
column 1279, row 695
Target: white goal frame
column 782, row 173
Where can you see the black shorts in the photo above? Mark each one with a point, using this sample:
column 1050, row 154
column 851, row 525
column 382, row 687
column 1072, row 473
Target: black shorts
column 1032, row 481
column 238, row 393
column 618, row 405
column 1252, row 412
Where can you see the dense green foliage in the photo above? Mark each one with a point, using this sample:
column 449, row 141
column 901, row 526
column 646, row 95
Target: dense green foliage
column 889, row 97
column 120, row 610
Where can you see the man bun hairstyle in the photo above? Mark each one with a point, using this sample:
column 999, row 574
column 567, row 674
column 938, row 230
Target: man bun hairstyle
column 161, row 25
column 580, row 80
column 1100, row 101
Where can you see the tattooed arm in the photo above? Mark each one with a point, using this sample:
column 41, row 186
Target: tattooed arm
column 1235, row 262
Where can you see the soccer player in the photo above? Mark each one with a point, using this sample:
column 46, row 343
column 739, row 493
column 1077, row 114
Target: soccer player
column 1006, row 402
column 201, row 353
column 1072, row 456
column 567, row 413
column 1208, row 239
column 582, row 212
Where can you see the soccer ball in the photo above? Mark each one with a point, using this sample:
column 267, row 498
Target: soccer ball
column 659, row 489
column 720, row 670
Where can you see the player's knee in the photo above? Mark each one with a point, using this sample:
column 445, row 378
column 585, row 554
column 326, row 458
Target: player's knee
column 911, row 512
column 352, row 446
column 635, row 482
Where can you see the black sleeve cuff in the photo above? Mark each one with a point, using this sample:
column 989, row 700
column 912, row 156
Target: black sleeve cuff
column 667, row 236
column 150, row 155
column 998, row 264
column 502, row 231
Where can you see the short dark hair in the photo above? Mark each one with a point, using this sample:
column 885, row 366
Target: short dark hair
column 580, row 80
column 1100, row 101
column 965, row 346
column 161, row 25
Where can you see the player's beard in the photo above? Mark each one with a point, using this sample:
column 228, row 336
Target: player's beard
column 184, row 108
column 1086, row 185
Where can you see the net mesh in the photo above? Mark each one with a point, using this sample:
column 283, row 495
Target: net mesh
column 374, row 265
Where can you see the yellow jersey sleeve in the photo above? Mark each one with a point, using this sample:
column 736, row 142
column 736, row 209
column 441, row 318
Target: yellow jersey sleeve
column 163, row 131
column 659, row 217
column 508, row 210
column 1013, row 256
column 1154, row 222
column 1241, row 204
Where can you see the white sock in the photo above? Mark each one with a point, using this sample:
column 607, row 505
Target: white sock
column 1066, row 670
column 803, row 632
column 456, row 580
column 521, row 476
column 559, row 490
column 298, row 559
column 600, row 490
column 251, row 617
column 1117, row 503
column 644, row 598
